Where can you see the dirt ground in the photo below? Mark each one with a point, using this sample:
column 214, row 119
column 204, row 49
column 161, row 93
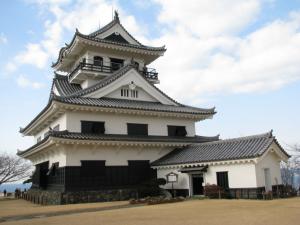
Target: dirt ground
column 19, row 207
column 193, row 212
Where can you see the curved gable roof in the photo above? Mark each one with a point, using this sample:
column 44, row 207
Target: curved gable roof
column 107, row 27
column 230, row 149
column 64, row 87
column 93, row 37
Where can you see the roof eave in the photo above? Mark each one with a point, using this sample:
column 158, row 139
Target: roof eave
column 50, row 108
column 159, row 51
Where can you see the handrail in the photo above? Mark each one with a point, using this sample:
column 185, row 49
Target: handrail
column 148, row 73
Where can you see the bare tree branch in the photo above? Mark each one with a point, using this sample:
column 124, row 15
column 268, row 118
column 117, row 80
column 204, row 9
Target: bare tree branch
column 292, row 167
column 13, row 168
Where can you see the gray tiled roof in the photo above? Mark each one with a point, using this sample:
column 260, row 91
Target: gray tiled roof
column 106, row 81
column 118, row 137
column 110, row 25
column 93, row 37
column 64, row 87
column 132, row 104
column 71, row 94
column 230, row 149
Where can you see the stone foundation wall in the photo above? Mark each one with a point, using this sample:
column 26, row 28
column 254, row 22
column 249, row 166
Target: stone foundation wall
column 46, row 197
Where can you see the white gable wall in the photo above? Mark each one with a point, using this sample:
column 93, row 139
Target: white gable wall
column 117, row 28
column 142, row 95
column 117, row 124
column 271, row 161
column 131, row 76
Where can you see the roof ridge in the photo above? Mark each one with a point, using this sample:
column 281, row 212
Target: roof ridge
column 116, row 20
column 161, row 48
column 249, row 137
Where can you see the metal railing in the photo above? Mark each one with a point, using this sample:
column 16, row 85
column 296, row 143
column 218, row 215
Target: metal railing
column 97, row 66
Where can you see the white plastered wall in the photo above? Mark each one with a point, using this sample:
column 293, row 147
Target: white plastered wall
column 52, row 154
column 61, row 121
column 113, row 156
column 117, row 123
column 272, row 161
column 239, row 176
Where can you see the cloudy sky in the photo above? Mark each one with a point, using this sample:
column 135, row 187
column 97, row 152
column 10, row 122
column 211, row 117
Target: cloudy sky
column 241, row 56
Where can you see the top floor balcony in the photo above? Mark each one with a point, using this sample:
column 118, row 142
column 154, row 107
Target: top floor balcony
column 98, row 69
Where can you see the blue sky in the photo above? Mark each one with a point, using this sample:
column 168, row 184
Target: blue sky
column 243, row 57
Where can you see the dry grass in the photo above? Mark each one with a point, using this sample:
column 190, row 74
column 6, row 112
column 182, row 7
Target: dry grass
column 21, row 207
column 196, row 212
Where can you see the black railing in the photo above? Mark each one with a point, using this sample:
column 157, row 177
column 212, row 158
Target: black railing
column 148, row 73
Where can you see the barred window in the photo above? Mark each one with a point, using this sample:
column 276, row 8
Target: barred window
column 129, row 93
column 92, row 127
column 222, row 179
column 176, row 131
column 137, row 129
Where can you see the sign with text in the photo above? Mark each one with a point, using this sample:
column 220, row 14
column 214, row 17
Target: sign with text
column 172, row 177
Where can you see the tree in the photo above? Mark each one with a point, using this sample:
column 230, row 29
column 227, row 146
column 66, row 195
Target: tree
column 292, row 167
column 13, row 168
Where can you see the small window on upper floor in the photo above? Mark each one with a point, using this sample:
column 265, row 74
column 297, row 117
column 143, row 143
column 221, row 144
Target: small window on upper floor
column 124, row 92
column 176, row 131
column 137, row 129
column 116, row 64
column 92, row 127
column 129, row 93
column 98, row 61
column 136, row 65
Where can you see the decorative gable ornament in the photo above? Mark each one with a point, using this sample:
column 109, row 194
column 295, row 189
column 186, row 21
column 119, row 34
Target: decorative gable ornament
column 132, row 86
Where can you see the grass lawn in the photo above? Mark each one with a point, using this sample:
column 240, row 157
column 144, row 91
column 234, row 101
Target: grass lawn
column 206, row 212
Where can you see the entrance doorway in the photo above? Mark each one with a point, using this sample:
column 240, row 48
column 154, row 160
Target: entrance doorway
column 197, row 180
column 268, row 182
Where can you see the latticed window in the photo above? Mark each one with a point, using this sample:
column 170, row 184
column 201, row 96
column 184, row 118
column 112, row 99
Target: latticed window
column 98, row 61
column 137, row 129
column 222, row 179
column 129, row 93
column 92, row 127
column 176, row 131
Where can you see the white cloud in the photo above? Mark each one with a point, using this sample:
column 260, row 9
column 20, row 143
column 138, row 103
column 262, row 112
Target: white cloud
column 205, row 51
column 209, row 18
column 212, row 60
column 24, row 82
column 86, row 15
column 10, row 67
column 33, row 55
column 3, row 39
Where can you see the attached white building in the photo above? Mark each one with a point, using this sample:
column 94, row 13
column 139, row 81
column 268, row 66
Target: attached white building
column 248, row 165
column 107, row 131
